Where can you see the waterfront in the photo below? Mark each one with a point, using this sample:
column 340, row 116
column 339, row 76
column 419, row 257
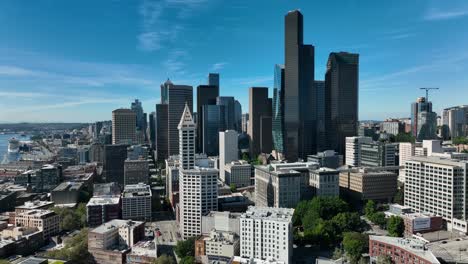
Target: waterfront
column 4, row 138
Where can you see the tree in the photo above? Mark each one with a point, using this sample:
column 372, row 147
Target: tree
column 395, row 226
column 400, row 195
column 164, row 259
column 75, row 250
column 460, row 141
column 369, row 208
column 354, row 244
column 404, row 137
column 299, row 212
column 337, row 254
column 245, row 157
column 187, row 260
column 346, row 221
column 384, row 259
column 233, row 187
column 378, row 219
column 71, row 219
column 185, row 248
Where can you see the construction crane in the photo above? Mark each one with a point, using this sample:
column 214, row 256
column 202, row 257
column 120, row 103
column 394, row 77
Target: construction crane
column 427, row 92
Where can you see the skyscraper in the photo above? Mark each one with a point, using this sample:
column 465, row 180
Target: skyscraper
column 198, row 186
column 213, row 79
column 138, row 109
column 123, row 126
column 229, row 110
column 456, row 120
column 113, row 166
column 298, row 96
column 228, row 150
column 277, row 112
column 152, row 129
column 341, row 97
column 423, row 120
column 174, row 97
column 206, row 95
column 238, row 116
column 259, row 107
column 321, row 135
column 213, row 122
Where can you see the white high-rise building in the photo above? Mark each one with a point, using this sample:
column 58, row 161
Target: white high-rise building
column 438, row 186
column 267, row 233
column 197, row 186
column 406, row 150
column 123, row 126
column 228, row 150
column 353, row 149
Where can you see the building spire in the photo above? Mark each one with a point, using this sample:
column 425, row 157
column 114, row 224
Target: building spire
column 186, row 119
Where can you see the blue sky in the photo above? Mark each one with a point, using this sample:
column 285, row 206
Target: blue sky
column 76, row 61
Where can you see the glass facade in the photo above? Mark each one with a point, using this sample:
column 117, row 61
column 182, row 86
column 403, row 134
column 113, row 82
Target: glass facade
column 213, row 123
column 277, row 118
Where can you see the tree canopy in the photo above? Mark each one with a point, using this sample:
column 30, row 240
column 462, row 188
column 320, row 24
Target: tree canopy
column 395, row 226
column 187, row 260
column 185, row 248
column 71, row 219
column 355, row 244
column 404, row 137
column 75, row 250
column 460, row 140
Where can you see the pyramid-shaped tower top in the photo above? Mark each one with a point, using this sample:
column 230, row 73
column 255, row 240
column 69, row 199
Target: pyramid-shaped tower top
column 186, row 121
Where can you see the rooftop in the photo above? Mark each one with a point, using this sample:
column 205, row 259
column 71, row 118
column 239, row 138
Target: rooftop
column 439, row 161
column 34, row 204
column 269, row 213
column 139, row 189
column 114, row 224
column 416, row 247
column 103, row 200
column 36, row 213
column 69, row 186
column 145, row 248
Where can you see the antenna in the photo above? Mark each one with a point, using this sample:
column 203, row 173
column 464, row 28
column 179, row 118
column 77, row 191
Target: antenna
column 427, row 92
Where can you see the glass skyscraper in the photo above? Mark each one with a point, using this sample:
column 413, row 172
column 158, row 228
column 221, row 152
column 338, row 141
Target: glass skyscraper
column 277, row 118
column 213, row 122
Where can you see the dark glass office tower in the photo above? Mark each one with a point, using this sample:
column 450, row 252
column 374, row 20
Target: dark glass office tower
column 138, row 109
column 238, row 116
column 229, row 110
column 423, row 120
column 113, row 166
column 342, row 98
column 298, row 96
column 213, row 123
column 277, row 111
column 319, row 87
column 206, row 95
column 152, row 129
column 213, row 79
column 168, row 114
column 259, row 112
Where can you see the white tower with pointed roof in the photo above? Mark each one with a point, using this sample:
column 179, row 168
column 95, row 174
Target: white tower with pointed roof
column 186, row 140
column 197, row 186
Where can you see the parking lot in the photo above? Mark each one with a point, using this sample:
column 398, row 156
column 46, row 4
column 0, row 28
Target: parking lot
column 169, row 232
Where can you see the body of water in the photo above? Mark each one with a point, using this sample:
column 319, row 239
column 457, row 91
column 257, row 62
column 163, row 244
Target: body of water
column 4, row 138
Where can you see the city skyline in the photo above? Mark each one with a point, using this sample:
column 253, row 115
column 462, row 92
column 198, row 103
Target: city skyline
column 63, row 68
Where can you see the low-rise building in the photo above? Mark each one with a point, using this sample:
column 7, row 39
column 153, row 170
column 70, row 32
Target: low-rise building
column 327, row 158
column 401, row 250
column 366, row 184
column 143, row 252
column 100, row 210
column 325, row 182
column 238, row 173
column 136, row 202
column 422, row 223
column 27, row 240
column 219, row 245
column 67, row 193
column 221, row 221
column 109, row 243
column 33, row 205
column 46, row 221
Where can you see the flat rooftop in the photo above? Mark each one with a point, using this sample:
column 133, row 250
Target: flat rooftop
column 416, row 247
column 438, row 160
column 135, row 190
column 269, row 213
column 35, row 204
column 103, row 200
column 69, row 186
column 114, row 224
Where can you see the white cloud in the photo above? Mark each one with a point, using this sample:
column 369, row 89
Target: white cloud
column 434, row 14
column 218, row 66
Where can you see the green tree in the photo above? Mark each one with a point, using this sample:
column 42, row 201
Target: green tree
column 299, row 212
column 347, row 221
column 164, row 259
column 75, row 249
column 395, row 226
column 399, row 195
column 404, row 137
column 337, row 253
column 460, row 141
column 354, row 244
column 185, row 248
column 233, row 187
column 71, row 219
column 187, row 260
column 378, row 219
column 245, row 157
column 369, row 208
